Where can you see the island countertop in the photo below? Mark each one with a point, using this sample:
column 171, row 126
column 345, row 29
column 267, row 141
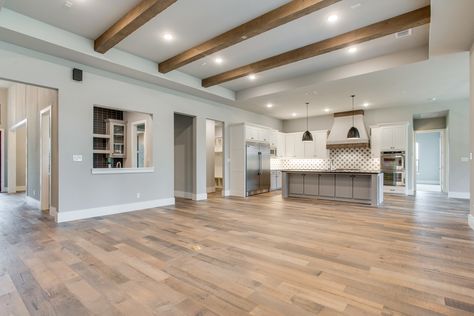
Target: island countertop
column 335, row 171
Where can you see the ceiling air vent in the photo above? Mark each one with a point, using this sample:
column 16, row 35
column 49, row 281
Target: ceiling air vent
column 404, row 33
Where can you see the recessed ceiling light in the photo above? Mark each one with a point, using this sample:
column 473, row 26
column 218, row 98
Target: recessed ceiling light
column 326, row 110
column 433, row 99
column 218, row 60
column 68, row 4
column 352, row 49
column 168, row 37
column 293, row 114
column 366, row 104
column 269, row 105
column 252, row 77
column 333, row 18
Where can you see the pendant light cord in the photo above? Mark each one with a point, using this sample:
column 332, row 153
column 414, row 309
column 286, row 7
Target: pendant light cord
column 353, row 110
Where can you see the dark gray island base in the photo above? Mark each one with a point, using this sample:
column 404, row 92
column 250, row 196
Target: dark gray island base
column 356, row 186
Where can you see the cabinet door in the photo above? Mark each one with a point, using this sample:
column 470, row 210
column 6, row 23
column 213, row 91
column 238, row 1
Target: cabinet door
column 299, row 145
column 326, row 185
column 251, row 133
column 273, row 138
column 273, row 182
column 296, row 184
column 343, row 186
column 290, row 145
column 281, row 145
column 399, row 137
column 386, row 138
column 320, row 141
column 362, row 187
column 311, row 184
column 309, row 149
column 375, row 142
column 263, row 134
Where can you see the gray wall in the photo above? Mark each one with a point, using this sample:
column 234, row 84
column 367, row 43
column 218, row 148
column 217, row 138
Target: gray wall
column 3, row 125
column 428, row 158
column 471, row 132
column 429, row 123
column 183, row 153
column 458, row 125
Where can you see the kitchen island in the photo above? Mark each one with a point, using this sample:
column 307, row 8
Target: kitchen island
column 356, row 186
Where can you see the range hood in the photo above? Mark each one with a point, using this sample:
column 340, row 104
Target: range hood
column 342, row 123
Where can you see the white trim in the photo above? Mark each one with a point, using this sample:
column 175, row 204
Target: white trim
column 44, row 205
column 470, row 220
column 17, row 125
column 226, row 193
column 410, row 192
column 21, row 188
column 459, row 195
column 200, row 197
column 32, row 202
column 121, row 170
column 53, row 212
column 133, row 140
column 2, row 161
column 183, row 195
column 62, row 217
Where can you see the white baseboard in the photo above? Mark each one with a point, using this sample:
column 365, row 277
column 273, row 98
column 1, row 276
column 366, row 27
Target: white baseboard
column 211, row 189
column 33, row 202
column 53, row 211
column 227, row 193
column 200, row 197
column 21, row 188
column 470, row 220
column 110, row 210
column 459, row 195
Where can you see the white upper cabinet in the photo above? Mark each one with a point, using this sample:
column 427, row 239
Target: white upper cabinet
column 290, row 145
column 320, row 141
column 274, row 138
column 375, row 141
column 251, row 133
column 393, row 138
column 258, row 134
column 281, row 150
column 310, row 148
column 299, row 145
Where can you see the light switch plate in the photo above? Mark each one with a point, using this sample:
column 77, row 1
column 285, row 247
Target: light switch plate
column 77, row 158
column 464, row 159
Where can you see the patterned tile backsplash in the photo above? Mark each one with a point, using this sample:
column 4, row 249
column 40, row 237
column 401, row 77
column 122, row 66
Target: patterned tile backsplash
column 342, row 158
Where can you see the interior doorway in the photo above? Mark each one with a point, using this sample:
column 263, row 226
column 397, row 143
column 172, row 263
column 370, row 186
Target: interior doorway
column 215, row 157
column 184, row 156
column 430, row 161
column 45, row 159
column 18, row 159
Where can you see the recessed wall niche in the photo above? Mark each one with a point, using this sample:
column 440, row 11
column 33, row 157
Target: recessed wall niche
column 122, row 139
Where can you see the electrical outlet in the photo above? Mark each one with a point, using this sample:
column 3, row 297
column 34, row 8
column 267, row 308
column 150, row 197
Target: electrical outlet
column 34, row 192
column 77, row 158
column 138, row 195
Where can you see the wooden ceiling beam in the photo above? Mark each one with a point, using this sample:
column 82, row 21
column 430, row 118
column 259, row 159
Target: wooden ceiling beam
column 130, row 22
column 402, row 22
column 272, row 19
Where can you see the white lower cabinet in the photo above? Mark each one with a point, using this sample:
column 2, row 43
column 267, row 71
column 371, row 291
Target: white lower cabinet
column 275, row 183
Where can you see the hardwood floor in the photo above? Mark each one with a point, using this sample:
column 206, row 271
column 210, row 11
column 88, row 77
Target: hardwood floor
column 258, row 256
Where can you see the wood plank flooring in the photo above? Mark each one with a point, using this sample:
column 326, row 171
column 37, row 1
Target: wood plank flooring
column 257, row 256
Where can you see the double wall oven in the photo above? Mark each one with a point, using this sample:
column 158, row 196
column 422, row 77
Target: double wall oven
column 393, row 167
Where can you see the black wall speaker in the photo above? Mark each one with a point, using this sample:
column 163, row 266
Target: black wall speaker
column 77, row 74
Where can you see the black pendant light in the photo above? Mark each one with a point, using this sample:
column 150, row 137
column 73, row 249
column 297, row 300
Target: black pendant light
column 307, row 137
column 353, row 132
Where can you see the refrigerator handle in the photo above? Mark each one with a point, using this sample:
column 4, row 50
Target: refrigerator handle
column 259, row 163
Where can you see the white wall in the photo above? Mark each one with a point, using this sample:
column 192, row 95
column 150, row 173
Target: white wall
column 79, row 189
column 3, row 125
column 458, row 124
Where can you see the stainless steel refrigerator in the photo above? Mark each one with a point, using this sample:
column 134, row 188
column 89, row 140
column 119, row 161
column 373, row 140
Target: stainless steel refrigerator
column 258, row 168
